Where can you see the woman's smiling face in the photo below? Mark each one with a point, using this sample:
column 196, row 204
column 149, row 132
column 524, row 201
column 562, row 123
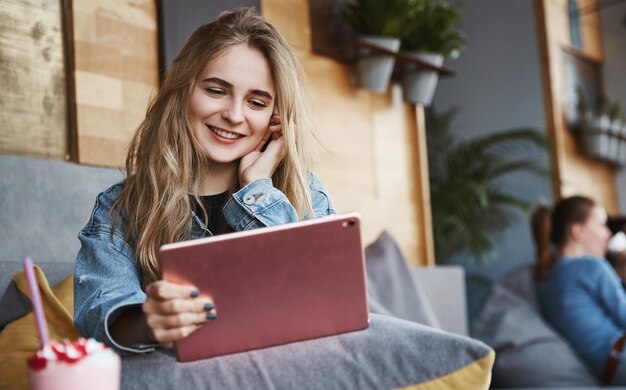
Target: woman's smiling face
column 232, row 103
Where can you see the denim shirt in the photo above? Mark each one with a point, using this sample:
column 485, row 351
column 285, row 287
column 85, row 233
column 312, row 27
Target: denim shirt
column 107, row 275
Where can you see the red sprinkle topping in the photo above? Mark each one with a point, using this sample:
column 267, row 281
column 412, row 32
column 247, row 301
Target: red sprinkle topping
column 68, row 351
column 37, row 363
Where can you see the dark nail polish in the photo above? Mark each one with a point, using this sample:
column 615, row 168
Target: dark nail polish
column 211, row 316
column 208, row 306
column 194, row 293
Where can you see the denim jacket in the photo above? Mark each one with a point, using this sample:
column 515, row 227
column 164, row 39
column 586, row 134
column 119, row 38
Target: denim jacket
column 107, row 275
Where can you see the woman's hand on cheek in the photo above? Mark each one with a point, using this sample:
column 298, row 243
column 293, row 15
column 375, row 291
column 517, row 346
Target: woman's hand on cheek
column 261, row 163
column 173, row 311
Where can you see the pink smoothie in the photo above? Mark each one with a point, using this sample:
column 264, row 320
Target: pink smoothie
column 76, row 364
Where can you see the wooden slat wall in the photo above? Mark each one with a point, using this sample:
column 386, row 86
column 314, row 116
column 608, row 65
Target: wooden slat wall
column 578, row 174
column 375, row 166
column 116, row 71
column 33, row 106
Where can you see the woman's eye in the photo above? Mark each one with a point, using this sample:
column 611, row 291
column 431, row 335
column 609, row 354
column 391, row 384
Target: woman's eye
column 215, row 91
column 257, row 103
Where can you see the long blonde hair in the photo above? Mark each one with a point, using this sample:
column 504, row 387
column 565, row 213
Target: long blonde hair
column 164, row 157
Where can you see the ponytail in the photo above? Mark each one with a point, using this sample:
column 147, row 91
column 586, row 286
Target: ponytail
column 541, row 227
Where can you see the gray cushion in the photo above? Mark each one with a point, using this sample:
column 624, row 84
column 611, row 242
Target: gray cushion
column 391, row 353
column 392, row 287
column 14, row 305
column 528, row 351
column 44, row 204
column 522, row 282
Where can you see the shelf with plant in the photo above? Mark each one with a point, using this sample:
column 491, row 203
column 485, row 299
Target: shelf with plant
column 600, row 128
column 433, row 35
column 379, row 24
column 382, row 27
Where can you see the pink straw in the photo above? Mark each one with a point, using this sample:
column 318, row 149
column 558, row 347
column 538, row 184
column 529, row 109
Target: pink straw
column 40, row 317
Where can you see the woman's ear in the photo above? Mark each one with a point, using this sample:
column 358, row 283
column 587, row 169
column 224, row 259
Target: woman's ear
column 576, row 231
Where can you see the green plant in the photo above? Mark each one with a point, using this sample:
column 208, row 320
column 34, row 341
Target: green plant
column 582, row 104
column 604, row 107
column 378, row 17
column 615, row 111
column 433, row 28
column 470, row 209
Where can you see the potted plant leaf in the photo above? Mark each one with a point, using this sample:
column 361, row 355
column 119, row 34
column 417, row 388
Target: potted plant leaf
column 602, row 132
column 432, row 37
column 594, row 126
column 380, row 23
column 622, row 141
column 615, row 130
column 470, row 205
column 592, row 142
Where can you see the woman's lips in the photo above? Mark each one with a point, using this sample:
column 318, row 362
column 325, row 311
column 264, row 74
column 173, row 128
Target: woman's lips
column 224, row 136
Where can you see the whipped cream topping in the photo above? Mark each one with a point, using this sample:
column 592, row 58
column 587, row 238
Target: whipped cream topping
column 67, row 351
column 617, row 242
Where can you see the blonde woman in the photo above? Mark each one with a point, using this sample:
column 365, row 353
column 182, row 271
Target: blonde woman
column 225, row 146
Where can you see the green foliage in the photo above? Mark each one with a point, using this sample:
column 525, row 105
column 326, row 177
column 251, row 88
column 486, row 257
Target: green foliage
column 378, row 17
column 470, row 209
column 433, row 28
column 604, row 106
column 615, row 111
column 422, row 25
column 582, row 104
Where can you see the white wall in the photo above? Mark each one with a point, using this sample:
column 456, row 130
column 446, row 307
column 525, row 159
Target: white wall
column 498, row 86
column 613, row 24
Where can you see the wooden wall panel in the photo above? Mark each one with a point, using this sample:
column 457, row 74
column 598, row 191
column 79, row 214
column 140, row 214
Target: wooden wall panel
column 33, row 105
column 578, row 174
column 116, row 72
column 374, row 164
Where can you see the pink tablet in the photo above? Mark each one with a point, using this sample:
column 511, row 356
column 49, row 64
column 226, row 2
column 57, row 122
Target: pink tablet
column 273, row 285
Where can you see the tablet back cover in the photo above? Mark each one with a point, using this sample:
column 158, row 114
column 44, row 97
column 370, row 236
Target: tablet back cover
column 273, row 285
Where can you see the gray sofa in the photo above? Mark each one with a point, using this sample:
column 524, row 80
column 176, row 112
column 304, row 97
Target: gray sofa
column 529, row 353
column 45, row 203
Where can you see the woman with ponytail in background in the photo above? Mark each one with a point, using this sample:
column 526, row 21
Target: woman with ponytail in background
column 579, row 293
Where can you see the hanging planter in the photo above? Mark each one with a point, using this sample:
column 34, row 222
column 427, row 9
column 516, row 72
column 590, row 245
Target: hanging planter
column 377, row 26
column 419, row 84
column 622, row 145
column 431, row 37
column 596, row 137
column 374, row 69
column 615, row 131
column 601, row 131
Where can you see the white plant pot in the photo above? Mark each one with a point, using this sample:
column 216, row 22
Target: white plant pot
column 596, row 137
column 419, row 84
column 615, row 131
column 374, row 70
column 622, row 145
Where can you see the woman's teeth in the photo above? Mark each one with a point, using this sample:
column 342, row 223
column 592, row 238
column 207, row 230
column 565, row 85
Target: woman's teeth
column 224, row 134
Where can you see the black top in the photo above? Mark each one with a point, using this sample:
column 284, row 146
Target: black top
column 213, row 205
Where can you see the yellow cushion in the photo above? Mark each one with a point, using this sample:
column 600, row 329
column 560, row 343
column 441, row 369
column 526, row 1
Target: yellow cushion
column 19, row 339
column 476, row 375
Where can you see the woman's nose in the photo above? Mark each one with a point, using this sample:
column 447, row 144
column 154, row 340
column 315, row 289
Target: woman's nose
column 233, row 111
